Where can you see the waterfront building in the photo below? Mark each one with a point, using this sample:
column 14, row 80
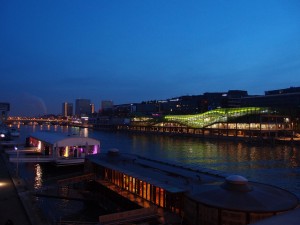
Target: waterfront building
column 197, row 195
column 201, row 103
column 283, row 91
column 289, row 218
column 234, row 98
column 213, row 100
column 192, row 104
column 182, row 105
column 146, row 108
column 106, row 108
column 124, row 110
column 83, row 107
column 279, row 101
column 67, row 109
column 248, row 123
column 284, row 99
column 56, row 147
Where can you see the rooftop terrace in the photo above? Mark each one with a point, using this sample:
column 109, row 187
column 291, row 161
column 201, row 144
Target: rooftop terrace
column 173, row 177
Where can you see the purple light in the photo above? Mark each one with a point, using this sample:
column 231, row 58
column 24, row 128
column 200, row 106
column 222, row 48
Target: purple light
column 95, row 151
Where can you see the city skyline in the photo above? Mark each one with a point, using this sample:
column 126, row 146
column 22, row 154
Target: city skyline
column 133, row 51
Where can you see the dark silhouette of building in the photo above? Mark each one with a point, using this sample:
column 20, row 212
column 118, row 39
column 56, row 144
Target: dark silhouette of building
column 234, row 98
column 83, row 107
column 285, row 100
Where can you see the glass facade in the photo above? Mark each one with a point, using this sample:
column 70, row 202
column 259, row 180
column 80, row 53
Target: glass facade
column 157, row 195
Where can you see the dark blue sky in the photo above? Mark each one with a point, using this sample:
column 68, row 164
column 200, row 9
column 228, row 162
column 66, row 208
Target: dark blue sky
column 129, row 51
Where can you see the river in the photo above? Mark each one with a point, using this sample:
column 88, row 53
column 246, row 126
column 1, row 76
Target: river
column 277, row 165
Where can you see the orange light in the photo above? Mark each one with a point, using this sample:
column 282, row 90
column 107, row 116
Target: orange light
column 2, row 184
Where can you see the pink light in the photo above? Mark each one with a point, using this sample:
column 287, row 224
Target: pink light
column 95, row 151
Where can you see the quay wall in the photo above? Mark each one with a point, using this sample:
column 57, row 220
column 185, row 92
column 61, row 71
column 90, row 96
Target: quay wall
column 246, row 135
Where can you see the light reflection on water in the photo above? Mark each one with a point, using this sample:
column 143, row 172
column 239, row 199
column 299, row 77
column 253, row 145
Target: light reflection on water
column 38, row 181
column 277, row 165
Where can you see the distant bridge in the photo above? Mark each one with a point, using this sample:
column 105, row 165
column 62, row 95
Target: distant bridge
column 37, row 121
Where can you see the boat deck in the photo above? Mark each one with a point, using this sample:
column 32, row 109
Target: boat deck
column 35, row 159
column 31, row 155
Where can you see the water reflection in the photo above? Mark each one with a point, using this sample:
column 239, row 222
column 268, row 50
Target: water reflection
column 294, row 158
column 38, row 181
column 277, row 165
column 85, row 132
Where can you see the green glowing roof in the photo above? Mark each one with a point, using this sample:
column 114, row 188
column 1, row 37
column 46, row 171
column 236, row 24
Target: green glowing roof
column 214, row 116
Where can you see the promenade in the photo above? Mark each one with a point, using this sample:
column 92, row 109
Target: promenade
column 16, row 202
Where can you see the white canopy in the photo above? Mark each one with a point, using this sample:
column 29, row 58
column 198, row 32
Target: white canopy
column 62, row 140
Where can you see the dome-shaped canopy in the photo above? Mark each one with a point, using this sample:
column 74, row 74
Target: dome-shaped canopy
column 236, row 183
column 236, row 193
column 62, row 140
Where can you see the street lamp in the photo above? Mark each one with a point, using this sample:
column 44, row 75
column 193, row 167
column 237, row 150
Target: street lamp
column 16, row 149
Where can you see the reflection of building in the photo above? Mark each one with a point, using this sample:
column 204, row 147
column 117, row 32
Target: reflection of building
column 195, row 194
column 67, row 109
column 4, row 109
column 83, row 107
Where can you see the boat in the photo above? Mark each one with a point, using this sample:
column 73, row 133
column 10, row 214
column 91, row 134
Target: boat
column 58, row 148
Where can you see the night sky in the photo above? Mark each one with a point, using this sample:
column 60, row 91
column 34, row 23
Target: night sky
column 132, row 51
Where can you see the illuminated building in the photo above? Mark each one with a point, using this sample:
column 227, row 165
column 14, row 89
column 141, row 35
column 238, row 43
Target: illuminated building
column 214, row 116
column 92, row 107
column 59, row 148
column 197, row 195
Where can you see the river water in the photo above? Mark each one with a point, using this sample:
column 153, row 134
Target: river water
column 277, row 165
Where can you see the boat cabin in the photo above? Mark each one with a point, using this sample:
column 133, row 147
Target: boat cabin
column 64, row 149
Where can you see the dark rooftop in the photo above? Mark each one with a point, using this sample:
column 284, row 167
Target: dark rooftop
column 171, row 176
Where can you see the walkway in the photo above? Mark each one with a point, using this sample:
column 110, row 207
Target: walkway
column 10, row 204
column 16, row 201
column 165, row 217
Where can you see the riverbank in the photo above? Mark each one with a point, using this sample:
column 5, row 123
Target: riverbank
column 253, row 137
column 16, row 200
column 29, row 201
column 277, row 165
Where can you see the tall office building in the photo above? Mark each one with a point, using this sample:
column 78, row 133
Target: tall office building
column 67, row 109
column 83, row 107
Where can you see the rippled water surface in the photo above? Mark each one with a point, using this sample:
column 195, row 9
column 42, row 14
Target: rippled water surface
column 277, row 165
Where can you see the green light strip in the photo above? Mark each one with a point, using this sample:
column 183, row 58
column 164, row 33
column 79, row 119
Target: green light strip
column 214, row 116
